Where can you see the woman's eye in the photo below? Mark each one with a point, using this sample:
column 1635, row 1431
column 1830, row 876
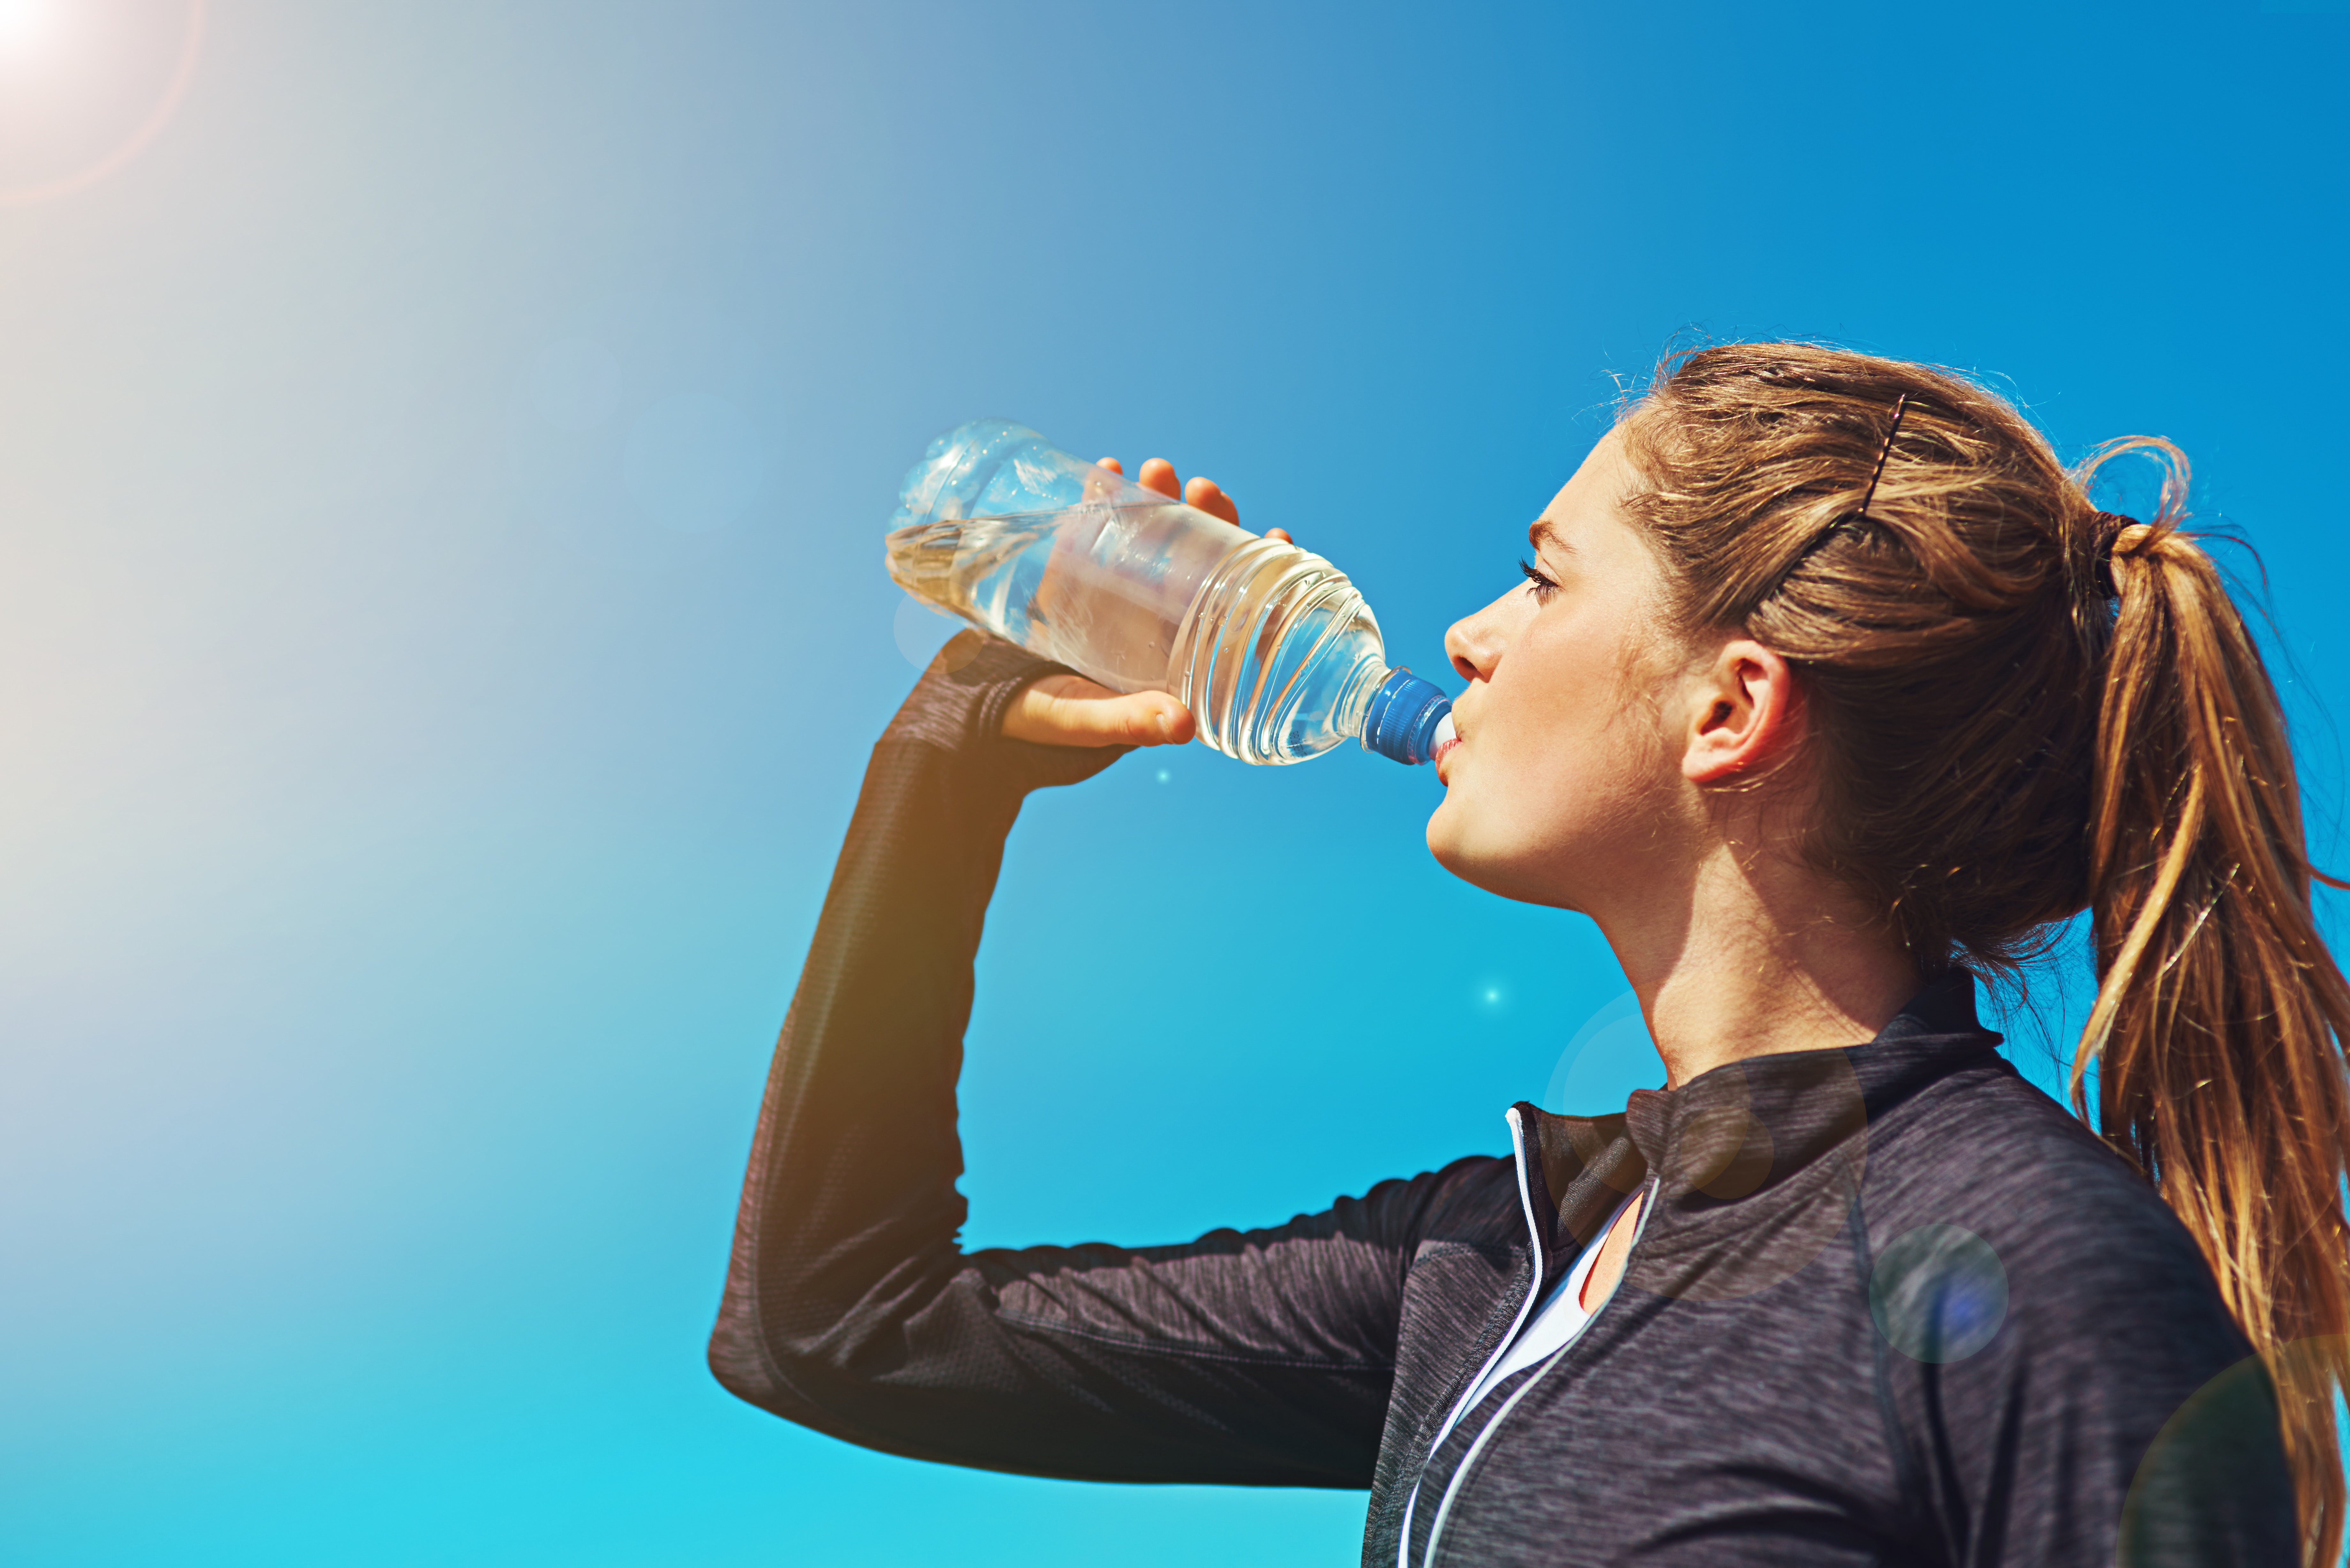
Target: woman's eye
column 1538, row 580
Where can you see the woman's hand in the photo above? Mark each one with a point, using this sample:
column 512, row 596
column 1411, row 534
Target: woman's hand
column 1071, row 710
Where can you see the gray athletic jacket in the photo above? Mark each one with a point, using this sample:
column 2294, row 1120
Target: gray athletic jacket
column 1890, row 1305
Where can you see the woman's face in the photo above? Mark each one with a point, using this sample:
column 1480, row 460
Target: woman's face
column 1566, row 786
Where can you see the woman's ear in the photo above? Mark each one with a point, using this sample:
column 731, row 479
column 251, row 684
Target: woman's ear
column 1745, row 711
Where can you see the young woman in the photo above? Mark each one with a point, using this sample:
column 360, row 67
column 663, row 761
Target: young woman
column 1828, row 689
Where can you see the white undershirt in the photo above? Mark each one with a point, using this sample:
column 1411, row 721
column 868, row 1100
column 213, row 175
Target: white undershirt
column 1552, row 1328
column 1557, row 1321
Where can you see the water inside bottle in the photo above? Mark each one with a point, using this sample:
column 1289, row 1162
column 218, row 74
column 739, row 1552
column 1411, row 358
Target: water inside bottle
column 1102, row 587
column 1270, row 647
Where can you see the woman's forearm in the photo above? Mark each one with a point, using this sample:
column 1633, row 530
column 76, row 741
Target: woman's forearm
column 852, row 1173
column 849, row 1307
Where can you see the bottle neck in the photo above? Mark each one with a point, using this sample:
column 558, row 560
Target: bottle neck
column 1400, row 715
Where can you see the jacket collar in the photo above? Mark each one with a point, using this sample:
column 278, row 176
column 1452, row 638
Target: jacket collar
column 1749, row 1139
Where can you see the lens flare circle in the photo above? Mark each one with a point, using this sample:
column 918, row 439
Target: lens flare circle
column 1938, row 1294
column 922, row 630
column 38, row 55
column 1607, row 1058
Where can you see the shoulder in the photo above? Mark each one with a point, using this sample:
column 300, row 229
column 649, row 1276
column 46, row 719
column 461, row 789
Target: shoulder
column 2052, row 1333
column 1984, row 1174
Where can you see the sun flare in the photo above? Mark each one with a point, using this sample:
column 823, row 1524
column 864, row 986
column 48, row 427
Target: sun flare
column 26, row 25
column 86, row 86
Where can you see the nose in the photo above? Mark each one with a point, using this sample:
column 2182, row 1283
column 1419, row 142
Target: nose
column 1474, row 643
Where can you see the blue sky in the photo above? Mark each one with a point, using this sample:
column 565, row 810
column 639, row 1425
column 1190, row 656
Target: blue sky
column 442, row 621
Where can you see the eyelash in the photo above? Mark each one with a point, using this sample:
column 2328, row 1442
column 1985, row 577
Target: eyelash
column 1542, row 585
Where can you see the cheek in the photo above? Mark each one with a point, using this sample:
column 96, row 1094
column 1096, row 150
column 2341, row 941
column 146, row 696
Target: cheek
column 1572, row 700
column 1570, row 741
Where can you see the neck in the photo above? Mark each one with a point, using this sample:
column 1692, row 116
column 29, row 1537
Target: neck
column 1748, row 957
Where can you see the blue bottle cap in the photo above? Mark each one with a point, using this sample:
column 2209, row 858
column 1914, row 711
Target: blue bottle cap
column 1402, row 718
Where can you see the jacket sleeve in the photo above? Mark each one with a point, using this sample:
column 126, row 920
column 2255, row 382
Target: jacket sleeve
column 1258, row 1357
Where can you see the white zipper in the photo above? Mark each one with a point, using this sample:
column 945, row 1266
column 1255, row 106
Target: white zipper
column 1534, row 1289
column 1461, row 1471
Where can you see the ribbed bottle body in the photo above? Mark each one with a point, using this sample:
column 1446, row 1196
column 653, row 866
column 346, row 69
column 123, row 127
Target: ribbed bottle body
column 1279, row 656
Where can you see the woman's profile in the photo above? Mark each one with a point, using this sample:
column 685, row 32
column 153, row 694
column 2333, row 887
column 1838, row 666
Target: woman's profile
column 1827, row 693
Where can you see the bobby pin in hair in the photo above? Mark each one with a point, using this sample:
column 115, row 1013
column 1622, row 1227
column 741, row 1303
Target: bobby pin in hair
column 1850, row 519
column 1900, row 406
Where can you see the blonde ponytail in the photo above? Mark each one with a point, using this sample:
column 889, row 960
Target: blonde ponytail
column 2217, row 1034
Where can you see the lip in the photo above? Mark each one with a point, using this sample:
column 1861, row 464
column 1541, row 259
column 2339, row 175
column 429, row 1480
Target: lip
column 1443, row 752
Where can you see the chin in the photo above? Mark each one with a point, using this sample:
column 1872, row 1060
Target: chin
column 1444, row 839
column 1511, row 876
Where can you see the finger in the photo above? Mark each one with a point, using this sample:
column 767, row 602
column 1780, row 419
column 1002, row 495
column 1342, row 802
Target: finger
column 1280, row 534
column 1210, row 497
column 1070, row 711
column 1159, row 474
column 1041, row 693
column 1112, row 465
column 1145, row 719
column 1141, row 718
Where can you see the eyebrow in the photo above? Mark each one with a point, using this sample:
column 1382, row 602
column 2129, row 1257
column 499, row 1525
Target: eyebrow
column 1540, row 532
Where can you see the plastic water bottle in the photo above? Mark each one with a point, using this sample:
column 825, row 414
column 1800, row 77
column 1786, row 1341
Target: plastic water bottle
column 1269, row 646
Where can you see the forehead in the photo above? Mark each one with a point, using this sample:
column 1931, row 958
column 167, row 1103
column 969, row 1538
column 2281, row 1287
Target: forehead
column 1588, row 513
